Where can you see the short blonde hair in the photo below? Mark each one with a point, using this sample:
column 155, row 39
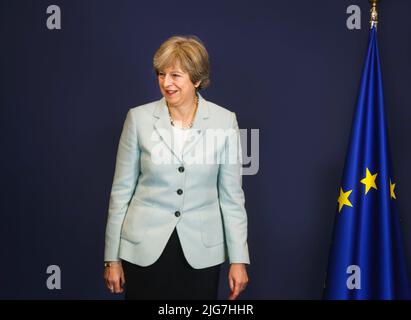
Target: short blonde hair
column 190, row 52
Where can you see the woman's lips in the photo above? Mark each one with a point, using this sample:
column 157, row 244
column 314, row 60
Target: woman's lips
column 171, row 92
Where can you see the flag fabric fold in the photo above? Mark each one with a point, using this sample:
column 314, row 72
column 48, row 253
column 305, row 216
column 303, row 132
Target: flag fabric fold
column 367, row 258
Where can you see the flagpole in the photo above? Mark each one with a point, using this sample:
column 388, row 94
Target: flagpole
column 374, row 13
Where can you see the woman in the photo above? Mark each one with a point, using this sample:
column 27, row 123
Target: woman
column 177, row 206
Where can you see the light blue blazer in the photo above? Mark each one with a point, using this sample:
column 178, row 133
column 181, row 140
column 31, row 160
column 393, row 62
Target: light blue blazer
column 199, row 192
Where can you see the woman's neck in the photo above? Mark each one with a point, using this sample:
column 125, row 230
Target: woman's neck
column 183, row 113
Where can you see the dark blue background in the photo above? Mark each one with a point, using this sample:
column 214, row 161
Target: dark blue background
column 288, row 68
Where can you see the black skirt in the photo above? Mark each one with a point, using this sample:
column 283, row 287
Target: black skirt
column 170, row 277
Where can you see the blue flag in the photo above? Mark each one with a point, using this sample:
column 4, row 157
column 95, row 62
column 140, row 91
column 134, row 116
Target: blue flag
column 367, row 258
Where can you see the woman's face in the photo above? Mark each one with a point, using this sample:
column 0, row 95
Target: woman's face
column 176, row 85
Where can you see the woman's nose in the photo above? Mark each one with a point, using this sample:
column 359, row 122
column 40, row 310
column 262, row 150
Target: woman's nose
column 167, row 80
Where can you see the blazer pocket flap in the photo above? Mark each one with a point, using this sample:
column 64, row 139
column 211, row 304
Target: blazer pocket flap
column 212, row 231
column 136, row 221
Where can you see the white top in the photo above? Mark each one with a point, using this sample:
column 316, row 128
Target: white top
column 180, row 138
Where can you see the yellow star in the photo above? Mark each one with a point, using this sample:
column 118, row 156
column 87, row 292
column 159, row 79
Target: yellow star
column 392, row 187
column 343, row 199
column 369, row 181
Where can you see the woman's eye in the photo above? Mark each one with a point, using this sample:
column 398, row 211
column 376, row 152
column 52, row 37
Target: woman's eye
column 176, row 75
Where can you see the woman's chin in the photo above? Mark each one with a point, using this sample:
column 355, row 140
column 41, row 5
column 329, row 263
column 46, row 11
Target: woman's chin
column 171, row 100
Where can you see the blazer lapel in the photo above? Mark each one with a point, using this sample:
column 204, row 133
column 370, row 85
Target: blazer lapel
column 164, row 129
column 200, row 125
column 163, row 126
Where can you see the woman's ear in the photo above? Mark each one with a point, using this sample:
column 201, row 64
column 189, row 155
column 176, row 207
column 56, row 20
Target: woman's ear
column 197, row 84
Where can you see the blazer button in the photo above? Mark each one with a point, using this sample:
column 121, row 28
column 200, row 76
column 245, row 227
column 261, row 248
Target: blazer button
column 177, row 213
column 179, row 191
column 181, row 169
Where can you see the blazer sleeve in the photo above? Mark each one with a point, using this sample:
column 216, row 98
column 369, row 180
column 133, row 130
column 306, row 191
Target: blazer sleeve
column 125, row 179
column 231, row 196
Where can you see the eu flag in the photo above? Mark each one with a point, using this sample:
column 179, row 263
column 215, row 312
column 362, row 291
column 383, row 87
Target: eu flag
column 367, row 258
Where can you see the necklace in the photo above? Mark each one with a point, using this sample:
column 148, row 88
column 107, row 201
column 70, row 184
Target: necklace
column 191, row 123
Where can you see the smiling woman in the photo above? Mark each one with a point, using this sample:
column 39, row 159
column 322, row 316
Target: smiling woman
column 182, row 67
column 171, row 225
column 190, row 52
